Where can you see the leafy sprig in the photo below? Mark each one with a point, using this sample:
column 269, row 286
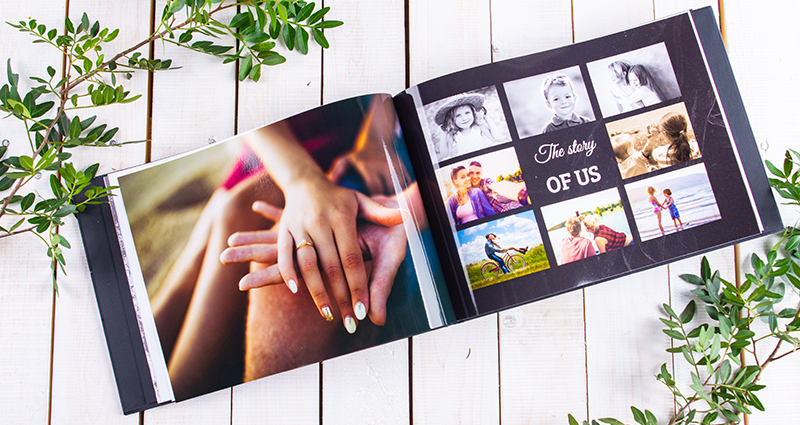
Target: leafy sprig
column 724, row 355
column 49, row 111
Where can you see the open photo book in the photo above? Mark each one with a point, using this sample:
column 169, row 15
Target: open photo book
column 381, row 217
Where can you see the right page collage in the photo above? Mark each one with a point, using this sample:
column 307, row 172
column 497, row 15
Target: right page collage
column 580, row 164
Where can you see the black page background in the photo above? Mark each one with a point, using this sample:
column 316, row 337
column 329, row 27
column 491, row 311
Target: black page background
column 738, row 219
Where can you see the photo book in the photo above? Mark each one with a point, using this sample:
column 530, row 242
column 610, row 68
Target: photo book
column 381, row 217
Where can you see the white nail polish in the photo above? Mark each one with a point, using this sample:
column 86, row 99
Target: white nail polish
column 327, row 313
column 350, row 324
column 360, row 310
column 292, row 286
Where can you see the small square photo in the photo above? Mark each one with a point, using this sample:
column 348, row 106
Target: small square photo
column 549, row 102
column 672, row 202
column 465, row 123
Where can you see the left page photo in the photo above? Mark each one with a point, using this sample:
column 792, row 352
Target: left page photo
column 287, row 245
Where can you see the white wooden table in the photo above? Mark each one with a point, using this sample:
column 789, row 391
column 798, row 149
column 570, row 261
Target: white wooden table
column 591, row 352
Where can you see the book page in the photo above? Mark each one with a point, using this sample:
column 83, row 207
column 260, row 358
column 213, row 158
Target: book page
column 568, row 167
column 197, row 226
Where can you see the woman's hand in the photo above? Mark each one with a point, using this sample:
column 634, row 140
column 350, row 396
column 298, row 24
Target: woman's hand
column 383, row 247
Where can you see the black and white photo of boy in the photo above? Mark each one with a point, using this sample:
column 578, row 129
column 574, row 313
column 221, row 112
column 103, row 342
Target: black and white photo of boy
column 549, row 102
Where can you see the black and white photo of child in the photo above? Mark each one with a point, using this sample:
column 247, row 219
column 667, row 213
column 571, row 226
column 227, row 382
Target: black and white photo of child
column 465, row 123
column 633, row 80
column 549, row 102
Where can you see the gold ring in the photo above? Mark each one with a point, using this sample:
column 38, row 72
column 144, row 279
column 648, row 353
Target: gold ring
column 304, row 243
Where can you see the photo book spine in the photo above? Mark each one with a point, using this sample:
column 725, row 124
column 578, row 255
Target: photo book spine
column 117, row 311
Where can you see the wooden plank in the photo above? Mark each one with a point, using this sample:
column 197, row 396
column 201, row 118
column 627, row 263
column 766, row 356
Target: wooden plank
column 455, row 374
column 625, row 346
column 290, row 398
column 597, row 18
column 665, row 8
column 192, row 106
column 367, row 54
column 543, row 361
column 447, row 36
column 83, row 386
column 549, row 332
column 368, row 387
column 454, row 370
column 750, row 30
column 26, row 298
column 521, row 27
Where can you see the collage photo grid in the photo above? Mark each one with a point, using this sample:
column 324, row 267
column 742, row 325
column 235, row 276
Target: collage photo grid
column 664, row 186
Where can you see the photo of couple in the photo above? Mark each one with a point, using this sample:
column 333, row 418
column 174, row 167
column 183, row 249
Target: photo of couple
column 281, row 247
column 465, row 123
column 482, row 186
column 549, row 102
column 587, row 226
column 672, row 202
column 503, row 249
column 634, row 80
column 653, row 140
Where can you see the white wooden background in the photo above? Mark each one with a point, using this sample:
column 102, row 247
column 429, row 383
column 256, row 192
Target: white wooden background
column 591, row 352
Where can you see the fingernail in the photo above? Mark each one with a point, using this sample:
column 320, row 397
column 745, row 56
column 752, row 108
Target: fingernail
column 350, row 324
column 361, row 310
column 293, row 288
column 327, row 313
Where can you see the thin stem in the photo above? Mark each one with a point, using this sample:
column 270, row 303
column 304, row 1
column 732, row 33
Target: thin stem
column 17, row 232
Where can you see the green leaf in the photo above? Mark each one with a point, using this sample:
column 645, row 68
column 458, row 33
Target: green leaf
column 26, row 162
column 725, row 327
column 289, row 36
column 729, row 415
column 611, row 421
column 670, row 311
column 638, row 416
column 185, row 37
column 688, row 313
column 302, row 40
column 26, row 202
column 329, row 24
column 263, row 47
column 774, row 170
column 282, row 12
column 271, row 58
column 6, row 182
column 65, row 211
column 572, row 420
column 111, row 36
column 245, row 67
column 85, row 21
column 651, row 418
column 255, row 73
column 319, row 37
column 305, row 12
column 316, row 16
column 724, row 372
column 669, row 323
column 242, row 20
column 787, row 313
column 674, row 334
column 68, row 25
column 710, row 417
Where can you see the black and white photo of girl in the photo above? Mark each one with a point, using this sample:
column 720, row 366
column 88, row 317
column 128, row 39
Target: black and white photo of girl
column 633, row 80
column 465, row 123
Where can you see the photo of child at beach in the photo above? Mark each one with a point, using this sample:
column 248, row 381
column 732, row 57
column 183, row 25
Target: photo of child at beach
column 633, row 80
column 653, row 140
column 549, row 102
column 587, row 226
column 482, row 186
column 465, row 123
column 503, row 249
column 683, row 196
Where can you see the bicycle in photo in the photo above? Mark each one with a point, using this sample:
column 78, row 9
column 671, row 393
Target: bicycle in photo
column 490, row 269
